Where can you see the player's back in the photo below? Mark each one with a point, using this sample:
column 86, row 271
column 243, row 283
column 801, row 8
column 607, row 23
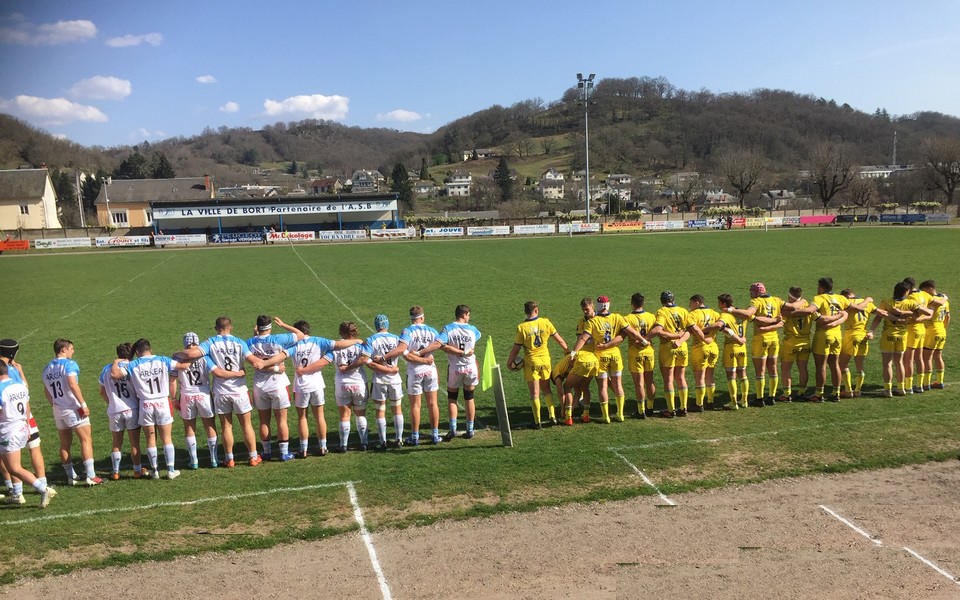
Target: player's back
column 56, row 377
column 533, row 335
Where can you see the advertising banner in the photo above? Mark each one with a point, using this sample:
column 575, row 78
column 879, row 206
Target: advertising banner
column 386, row 234
column 938, row 218
column 14, row 245
column 487, row 231
column 790, row 221
column 624, row 226
column 818, row 219
column 233, row 238
column 272, row 210
column 443, row 232
column 579, row 227
column 343, row 236
column 193, row 239
column 534, row 229
column 738, row 222
column 707, row 224
column 122, row 241
column 291, row 236
column 83, row 242
column 774, row 221
column 754, row 222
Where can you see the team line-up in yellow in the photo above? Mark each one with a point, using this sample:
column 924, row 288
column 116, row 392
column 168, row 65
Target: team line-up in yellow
column 834, row 327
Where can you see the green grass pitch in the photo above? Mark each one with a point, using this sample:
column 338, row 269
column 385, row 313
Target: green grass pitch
column 98, row 299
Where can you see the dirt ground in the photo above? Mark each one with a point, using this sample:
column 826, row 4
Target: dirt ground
column 770, row 540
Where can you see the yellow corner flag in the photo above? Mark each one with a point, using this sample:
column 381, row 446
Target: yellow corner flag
column 486, row 380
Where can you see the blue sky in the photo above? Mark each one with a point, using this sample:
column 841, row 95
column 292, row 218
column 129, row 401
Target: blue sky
column 112, row 73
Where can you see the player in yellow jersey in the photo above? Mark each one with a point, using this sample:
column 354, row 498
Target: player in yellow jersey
column 913, row 357
column 795, row 348
column 764, row 312
column 585, row 367
column 604, row 327
column 641, row 358
column 893, row 340
column 670, row 326
column 936, row 336
column 734, row 353
column 856, row 343
column 532, row 337
column 829, row 310
column 703, row 323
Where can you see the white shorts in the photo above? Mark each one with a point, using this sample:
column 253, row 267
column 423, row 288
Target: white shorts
column 272, row 400
column 462, row 377
column 124, row 421
column 14, row 438
column 305, row 399
column 382, row 392
column 426, row 381
column 238, row 404
column 155, row 412
column 68, row 418
column 354, row 395
column 196, row 405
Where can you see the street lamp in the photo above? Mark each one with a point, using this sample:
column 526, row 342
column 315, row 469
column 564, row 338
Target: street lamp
column 106, row 182
column 586, row 88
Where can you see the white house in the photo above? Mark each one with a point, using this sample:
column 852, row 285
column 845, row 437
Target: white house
column 551, row 185
column 27, row 200
column 458, row 183
column 366, row 182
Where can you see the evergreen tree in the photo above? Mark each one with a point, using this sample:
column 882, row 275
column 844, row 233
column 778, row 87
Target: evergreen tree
column 132, row 167
column 502, row 177
column 162, row 169
column 294, row 168
column 424, row 174
column 400, row 184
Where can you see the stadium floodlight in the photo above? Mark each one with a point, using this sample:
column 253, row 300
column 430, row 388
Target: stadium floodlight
column 586, row 88
column 106, row 198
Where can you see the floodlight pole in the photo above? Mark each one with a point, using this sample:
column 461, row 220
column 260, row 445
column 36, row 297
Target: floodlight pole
column 106, row 198
column 586, row 88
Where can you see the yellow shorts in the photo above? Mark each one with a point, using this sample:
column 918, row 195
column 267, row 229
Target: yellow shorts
column 855, row 343
column 673, row 357
column 892, row 342
column 704, row 356
column 586, row 365
column 537, row 370
column 795, row 349
column 763, row 347
column 915, row 339
column 827, row 342
column 561, row 369
column 641, row 361
column 935, row 341
column 610, row 363
column 734, row 356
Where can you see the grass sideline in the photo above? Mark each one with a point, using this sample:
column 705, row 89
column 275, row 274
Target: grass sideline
column 98, row 299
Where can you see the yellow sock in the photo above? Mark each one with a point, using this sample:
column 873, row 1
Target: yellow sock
column 671, row 404
column 649, row 402
column 940, row 377
column 888, row 387
column 861, row 377
column 744, row 390
column 698, row 395
column 788, row 391
column 621, row 401
column 711, row 392
column 683, row 398
column 847, row 381
column 927, row 379
column 568, row 411
column 551, row 411
column 605, row 411
column 732, row 390
column 908, row 383
column 761, row 385
column 535, row 403
column 821, row 391
column 640, row 406
column 774, row 383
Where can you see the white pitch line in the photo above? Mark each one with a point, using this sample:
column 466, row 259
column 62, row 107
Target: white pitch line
column 873, row 539
column 100, row 511
column 733, row 438
column 29, row 334
column 646, row 479
column 75, row 312
column 144, row 272
column 344, row 304
column 368, row 541
column 930, row 564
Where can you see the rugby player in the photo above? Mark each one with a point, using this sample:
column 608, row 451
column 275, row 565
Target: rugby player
column 670, row 326
column 8, row 355
column 533, row 335
column 855, row 343
column 350, row 385
column 935, row 338
column 14, row 434
column 270, row 384
column 387, row 384
column 893, row 339
column 734, row 353
column 123, row 412
column 422, row 377
column 703, row 323
column 459, row 340
column 796, row 347
column 764, row 312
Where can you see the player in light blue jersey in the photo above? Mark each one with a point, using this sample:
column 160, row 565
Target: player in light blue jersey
column 14, row 433
column 270, row 395
column 350, row 385
column 123, row 412
column 387, row 384
column 8, row 355
column 458, row 340
column 422, row 378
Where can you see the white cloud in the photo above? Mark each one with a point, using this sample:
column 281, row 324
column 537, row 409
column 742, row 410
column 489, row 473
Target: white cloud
column 206, row 79
column 230, row 107
column 46, row 34
column 403, row 116
column 100, row 87
column 145, row 134
column 316, row 106
column 125, row 41
column 51, row 111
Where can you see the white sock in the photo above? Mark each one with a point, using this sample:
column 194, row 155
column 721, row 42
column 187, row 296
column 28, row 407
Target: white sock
column 91, row 470
column 362, row 429
column 304, row 444
column 69, row 470
column 323, row 442
column 169, row 456
column 266, row 447
column 212, row 447
column 285, row 447
column 344, row 433
column 398, row 424
column 42, row 480
column 192, row 448
column 40, row 485
column 115, row 461
column 18, row 489
column 382, row 429
column 152, row 457
column 9, row 485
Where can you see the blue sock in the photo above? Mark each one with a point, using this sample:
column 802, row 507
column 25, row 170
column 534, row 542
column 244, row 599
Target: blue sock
column 453, row 425
column 470, row 426
column 436, row 433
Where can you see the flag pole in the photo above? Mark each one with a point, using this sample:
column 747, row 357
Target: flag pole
column 503, row 417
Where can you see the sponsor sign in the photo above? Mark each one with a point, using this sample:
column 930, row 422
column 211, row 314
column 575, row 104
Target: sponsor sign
column 122, row 241
column 773, row 221
column 707, row 224
column 534, row 229
column 938, row 218
column 624, row 226
column 579, row 227
column 754, row 222
column 385, row 234
column 443, row 232
column 738, row 222
column 818, row 219
column 662, row 225
column 343, row 236
column 63, row 243
column 487, row 231
column 272, row 210
column 790, row 221
column 192, row 239
column 14, row 245
column 233, row 238
column 291, row 236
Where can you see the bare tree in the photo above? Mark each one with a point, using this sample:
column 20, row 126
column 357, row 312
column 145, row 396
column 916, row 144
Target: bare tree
column 941, row 165
column 832, row 171
column 742, row 170
column 520, row 144
column 862, row 192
